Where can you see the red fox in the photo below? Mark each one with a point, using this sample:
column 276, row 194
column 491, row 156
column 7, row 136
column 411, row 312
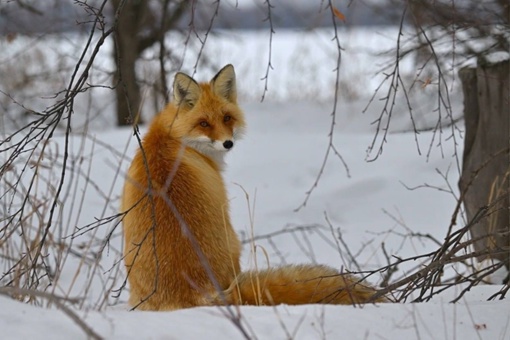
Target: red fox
column 180, row 248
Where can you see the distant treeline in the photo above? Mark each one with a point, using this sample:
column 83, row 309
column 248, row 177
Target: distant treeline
column 35, row 17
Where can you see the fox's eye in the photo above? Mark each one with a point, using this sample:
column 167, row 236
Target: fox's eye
column 204, row 123
column 227, row 118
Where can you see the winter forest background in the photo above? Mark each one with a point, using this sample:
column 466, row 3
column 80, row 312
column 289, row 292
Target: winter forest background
column 378, row 143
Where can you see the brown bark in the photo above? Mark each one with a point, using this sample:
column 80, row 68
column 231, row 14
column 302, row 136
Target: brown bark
column 126, row 52
column 486, row 160
column 127, row 91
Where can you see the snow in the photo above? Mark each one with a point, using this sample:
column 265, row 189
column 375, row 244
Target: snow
column 497, row 57
column 434, row 320
column 268, row 174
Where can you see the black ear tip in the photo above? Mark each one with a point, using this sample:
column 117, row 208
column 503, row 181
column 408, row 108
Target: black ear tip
column 180, row 75
column 227, row 67
column 222, row 72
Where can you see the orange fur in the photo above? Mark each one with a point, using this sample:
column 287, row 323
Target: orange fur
column 296, row 285
column 180, row 248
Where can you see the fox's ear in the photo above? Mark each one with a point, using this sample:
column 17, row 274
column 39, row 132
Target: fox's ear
column 224, row 83
column 186, row 90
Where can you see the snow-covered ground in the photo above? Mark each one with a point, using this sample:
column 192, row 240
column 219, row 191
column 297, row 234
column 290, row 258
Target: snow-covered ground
column 276, row 164
column 470, row 319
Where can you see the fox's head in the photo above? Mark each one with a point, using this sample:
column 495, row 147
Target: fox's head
column 208, row 118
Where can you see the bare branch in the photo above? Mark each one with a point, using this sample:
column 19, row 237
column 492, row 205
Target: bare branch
column 331, row 146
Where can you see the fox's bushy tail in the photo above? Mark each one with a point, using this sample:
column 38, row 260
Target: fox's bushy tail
column 296, row 285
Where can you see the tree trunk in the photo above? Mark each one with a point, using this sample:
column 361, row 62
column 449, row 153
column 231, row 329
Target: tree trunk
column 127, row 91
column 141, row 23
column 486, row 160
column 126, row 52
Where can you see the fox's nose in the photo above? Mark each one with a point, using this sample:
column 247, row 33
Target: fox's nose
column 228, row 144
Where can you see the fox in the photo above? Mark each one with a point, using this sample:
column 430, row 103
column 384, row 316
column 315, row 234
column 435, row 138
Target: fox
column 180, row 248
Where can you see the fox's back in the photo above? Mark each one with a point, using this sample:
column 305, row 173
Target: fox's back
column 179, row 217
